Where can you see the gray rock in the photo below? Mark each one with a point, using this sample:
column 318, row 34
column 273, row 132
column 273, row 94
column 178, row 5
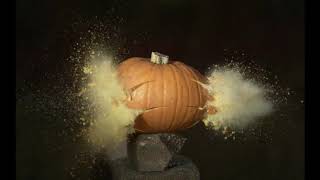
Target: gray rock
column 181, row 168
column 146, row 152
column 174, row 142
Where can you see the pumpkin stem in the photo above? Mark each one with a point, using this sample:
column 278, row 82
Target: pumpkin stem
column 159, row 58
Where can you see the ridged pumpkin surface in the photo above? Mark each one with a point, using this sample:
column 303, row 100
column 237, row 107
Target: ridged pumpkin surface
column 168, row 93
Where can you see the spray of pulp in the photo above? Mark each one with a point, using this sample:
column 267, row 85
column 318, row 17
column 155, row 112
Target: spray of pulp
column 238, row 101
column 112, row 119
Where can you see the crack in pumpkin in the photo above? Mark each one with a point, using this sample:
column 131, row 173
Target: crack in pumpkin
column 203, row 85
column 134, row 88
column 158, row 107
column 197, row 107
column 152, row 108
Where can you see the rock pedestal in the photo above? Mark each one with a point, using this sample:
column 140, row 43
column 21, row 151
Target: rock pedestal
column 154, row 157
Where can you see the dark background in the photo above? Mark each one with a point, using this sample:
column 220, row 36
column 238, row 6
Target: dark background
column 199, row 33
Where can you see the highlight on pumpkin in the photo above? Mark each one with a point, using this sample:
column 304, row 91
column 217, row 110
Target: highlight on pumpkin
column 237, row 101
column 112, row 119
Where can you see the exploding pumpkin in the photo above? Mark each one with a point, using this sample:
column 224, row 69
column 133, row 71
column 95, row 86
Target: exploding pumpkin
column 169, row 92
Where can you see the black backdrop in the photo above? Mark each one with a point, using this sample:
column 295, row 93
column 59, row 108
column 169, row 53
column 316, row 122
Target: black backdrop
column 199, row 33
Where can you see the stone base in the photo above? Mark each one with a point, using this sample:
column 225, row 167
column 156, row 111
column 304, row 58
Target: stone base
column 179, row 168
column 153, row 152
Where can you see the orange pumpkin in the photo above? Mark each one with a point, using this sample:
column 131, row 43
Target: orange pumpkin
column 168, row 92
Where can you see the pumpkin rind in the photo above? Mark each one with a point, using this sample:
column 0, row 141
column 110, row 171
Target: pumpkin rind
column 169, row 94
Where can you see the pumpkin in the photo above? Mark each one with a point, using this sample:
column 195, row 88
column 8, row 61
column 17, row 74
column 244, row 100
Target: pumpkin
column 169, row 92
